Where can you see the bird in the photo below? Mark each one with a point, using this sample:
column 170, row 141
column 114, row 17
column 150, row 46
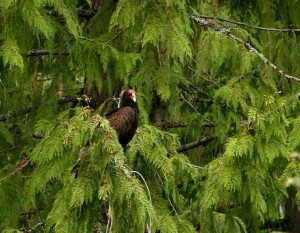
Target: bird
column 124, row 120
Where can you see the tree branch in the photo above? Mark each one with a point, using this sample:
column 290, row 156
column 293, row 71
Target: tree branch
column 198, row 89
column 29, row 213
column 168, row 125
column 68, row 99
column 13, row 114
column 163, row 186
column 34, row 228
column 88, row 13
column 194, row 144
column 62, row 100
column 38, row 135
column 20, row 166
column 9, row 149
column 194, row 87
column 247, row 45
column 251, row 26
column 41, row 52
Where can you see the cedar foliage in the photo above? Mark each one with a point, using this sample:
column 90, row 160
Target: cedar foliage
column 185, row 74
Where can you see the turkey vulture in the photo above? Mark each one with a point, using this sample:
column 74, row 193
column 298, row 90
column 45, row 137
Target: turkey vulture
column 125, row 119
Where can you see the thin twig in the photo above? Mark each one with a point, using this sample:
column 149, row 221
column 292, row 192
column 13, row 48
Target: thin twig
column 97, row 42
column 109, row 222
column 61, row 100
column 17, row 170
column 149, row 227
column 162, row 184
column 9, row 149
column 198, row 167
column 206, row 79
column 148, row 190
column 42, row 52
column 42, row 221
column 190, row 104
column 198, row 89
column 247, row 45
column 34, row 228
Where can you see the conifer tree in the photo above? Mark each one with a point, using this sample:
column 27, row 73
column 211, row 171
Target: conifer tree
column 218, row 139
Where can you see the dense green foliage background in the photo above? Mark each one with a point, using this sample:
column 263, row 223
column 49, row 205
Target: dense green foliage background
column 218, row 124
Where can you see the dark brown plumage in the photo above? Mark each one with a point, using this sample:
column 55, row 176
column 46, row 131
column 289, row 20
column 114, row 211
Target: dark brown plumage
column 125, row 119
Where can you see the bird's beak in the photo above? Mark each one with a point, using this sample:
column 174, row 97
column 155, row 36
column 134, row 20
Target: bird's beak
column 133, row 97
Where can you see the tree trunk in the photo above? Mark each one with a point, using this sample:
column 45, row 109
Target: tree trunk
column 292, row 211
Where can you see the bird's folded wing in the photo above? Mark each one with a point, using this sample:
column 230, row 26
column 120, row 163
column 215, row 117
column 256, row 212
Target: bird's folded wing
column 121, row 120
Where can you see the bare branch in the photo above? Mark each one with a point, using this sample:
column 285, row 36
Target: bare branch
column 29, row 213
column 95, row 41
column 34, row 228
column 41, row 52
column 68, row 99
column 22, row 165
column 210, row 101
column 87, row 13
column 247, row 45
column 149, row 227
column 205, row 140
column 251, row 26
column 9, row 149
column 65, row 99
column 163, row 186
column 168, row 125
column 198, row 89
column 38, row 135
column 195, row 88
column 194, row 144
